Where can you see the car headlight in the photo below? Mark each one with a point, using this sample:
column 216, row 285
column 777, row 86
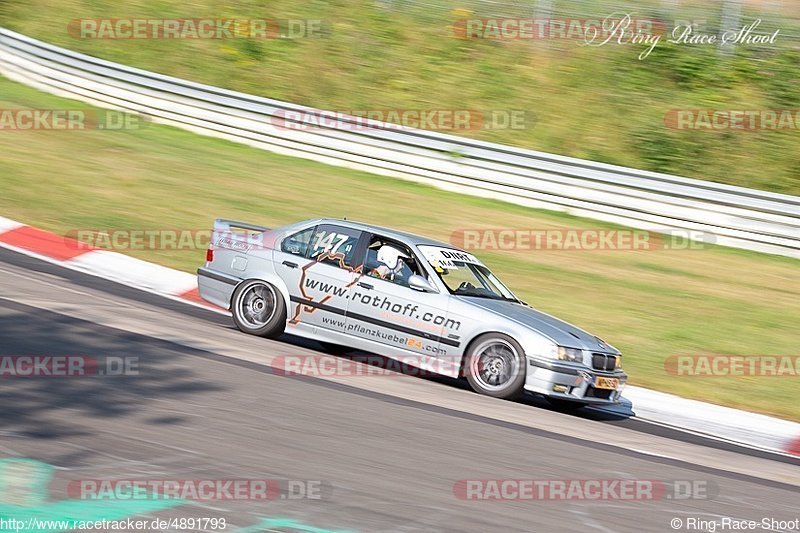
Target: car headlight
column 619, row 361
column 569, row 354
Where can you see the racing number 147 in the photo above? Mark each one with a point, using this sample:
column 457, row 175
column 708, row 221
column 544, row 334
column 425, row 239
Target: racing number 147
column 326, row 242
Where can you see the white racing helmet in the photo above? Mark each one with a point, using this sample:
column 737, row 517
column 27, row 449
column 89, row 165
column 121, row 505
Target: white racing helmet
column 390, row 256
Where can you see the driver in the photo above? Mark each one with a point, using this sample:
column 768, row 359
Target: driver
column 392, row 260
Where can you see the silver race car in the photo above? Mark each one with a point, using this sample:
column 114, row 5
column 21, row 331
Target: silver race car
column 405, row 297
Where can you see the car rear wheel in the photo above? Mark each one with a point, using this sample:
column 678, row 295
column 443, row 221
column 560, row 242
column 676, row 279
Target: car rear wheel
column 495, row 366
column 258, row 309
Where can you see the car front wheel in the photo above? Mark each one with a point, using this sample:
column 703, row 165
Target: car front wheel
column 495, row 366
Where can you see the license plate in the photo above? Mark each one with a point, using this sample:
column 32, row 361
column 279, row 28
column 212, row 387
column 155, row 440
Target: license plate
column 606, row 383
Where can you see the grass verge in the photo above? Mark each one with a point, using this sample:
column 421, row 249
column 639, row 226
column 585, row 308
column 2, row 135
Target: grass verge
column 595, row 102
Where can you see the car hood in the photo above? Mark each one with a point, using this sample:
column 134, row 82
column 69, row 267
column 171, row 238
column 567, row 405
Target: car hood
column 560, row 332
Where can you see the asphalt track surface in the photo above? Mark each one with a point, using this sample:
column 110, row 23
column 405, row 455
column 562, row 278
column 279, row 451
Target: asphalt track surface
column 387, row 450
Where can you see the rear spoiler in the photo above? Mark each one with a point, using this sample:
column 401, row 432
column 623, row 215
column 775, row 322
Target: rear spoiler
column 224, row 225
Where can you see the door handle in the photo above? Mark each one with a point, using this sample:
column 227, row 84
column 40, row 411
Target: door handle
column 365, row 285
column 290, row 264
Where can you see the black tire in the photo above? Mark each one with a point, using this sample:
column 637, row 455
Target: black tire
column 333, row 348
column 495, row 366
column 258, row 308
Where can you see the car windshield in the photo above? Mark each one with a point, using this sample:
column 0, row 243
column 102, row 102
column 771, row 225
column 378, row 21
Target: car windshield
column 464, row 275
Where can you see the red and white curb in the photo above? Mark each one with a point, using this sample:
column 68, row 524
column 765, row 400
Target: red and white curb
column 794, row 447
column 714, row 421
column 113, row 266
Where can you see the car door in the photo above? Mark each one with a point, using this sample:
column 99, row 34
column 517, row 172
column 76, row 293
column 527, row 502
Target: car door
column 320, row 275
column 396, row 316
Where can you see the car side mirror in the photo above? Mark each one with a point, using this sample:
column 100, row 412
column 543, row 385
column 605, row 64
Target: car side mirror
column 418, row 283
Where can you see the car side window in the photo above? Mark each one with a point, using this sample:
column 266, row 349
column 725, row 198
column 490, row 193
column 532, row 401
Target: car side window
column 335, row 245
column 297, row 243
column 390, row 261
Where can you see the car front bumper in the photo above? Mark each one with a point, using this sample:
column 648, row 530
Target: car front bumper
column 572, row 382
